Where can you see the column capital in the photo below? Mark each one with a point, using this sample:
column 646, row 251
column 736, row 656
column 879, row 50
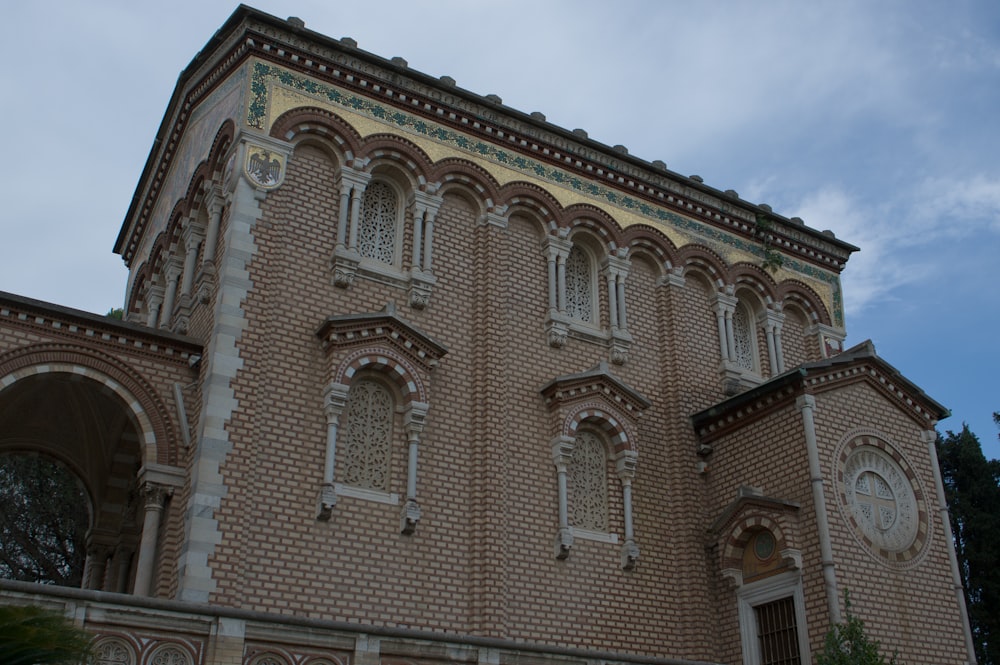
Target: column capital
column 771, row 318
column 724, row 302
column 154, row 495
column 625, row 464
column 349, row 178
column 173, row 268
column 616, row 265
column 555, row 246
column 334, row 400
column 674, row 276
column 562, row 450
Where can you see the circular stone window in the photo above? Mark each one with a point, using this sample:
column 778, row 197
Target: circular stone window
column 880, row 497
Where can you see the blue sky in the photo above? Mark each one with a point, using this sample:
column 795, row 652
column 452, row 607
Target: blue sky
column 879, row 120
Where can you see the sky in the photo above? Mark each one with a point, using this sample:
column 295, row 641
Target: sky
column 876, row 119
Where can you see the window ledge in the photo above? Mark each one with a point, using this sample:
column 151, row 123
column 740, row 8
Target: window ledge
column 599, row 536
column 366, row 494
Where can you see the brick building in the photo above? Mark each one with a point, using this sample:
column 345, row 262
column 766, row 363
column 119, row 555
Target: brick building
column 409, row 376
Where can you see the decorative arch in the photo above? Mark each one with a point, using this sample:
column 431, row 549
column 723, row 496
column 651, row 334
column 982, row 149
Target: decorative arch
column 406, row 156
column 157, row 438
column 650, row 241
column 601, row 224
column 527, row 196
column 457, row 172
column 704, row 260
column 170, row 653
column 316, row 123
column 620, row 433
column 743, row 530
column 806, row 298
column 756, row 280
column 270, row 657
column 220, row 147
column 396, row 369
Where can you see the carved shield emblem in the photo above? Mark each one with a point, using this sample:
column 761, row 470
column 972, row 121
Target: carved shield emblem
column 264, row 168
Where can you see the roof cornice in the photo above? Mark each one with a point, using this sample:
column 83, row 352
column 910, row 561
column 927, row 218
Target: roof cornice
column 291, row 45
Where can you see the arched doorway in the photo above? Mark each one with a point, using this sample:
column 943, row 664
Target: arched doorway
column 99, row 426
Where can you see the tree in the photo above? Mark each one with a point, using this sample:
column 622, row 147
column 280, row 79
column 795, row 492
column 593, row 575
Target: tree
column 33, row 636
column 847, row 644
column 44, row 518
column 972, row 490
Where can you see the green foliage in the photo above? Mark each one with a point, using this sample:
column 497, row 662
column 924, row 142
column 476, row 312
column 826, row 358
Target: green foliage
column 847, row 644
column 116, row 313
column 43, row 521
column 33, row 636
column 762, row 230
column 972, row 489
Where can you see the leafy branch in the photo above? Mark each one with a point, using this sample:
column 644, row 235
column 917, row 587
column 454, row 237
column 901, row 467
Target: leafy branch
column 773, row 259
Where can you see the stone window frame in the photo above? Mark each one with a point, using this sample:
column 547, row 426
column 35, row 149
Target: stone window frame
column 605, row 264
column 417, row 207
column 597, row 401
column 382, row 345
column 750, row 513
column 755, row 594
column 727, row 303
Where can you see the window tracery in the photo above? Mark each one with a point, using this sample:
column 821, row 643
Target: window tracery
column 379, row 213
column 367, row 435
column 744, row 339
column 579, row 286
column 589, row 480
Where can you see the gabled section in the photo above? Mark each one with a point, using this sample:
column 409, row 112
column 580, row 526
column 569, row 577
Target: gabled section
column 859, row 363
column 596, row 382
column 383, row 328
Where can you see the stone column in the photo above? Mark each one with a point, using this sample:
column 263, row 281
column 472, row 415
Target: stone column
column 724, row 305
column 414, row 425
column 807, row 405
column 562, row 451
column 771, row 320
column 94, row 568
column 334, row 400
column 173, row 274
column 625, row 465
column 214, row 201
column 155, row 299
column 192, row 242
column 153, row 496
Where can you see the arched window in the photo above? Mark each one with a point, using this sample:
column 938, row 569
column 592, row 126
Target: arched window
column 588, row 473
column 580, row 285
column 745, row 338
column 379, row 216
column 367, row 435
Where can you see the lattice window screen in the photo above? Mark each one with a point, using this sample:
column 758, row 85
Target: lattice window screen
column 377, row 230
column 579, row 287
column 588, row 473
column 743, row 334
column 366, row 436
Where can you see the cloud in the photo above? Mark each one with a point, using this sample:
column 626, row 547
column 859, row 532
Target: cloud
column 876, row 271
column 958, row 208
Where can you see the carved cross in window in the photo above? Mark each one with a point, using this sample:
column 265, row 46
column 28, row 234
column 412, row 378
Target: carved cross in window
column 876, row 500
